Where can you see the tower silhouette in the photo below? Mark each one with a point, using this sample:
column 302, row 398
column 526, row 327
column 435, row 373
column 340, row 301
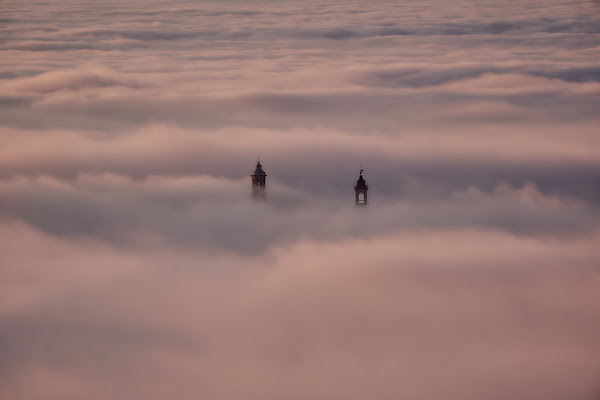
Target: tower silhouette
column 259, row 180
column 360, row 191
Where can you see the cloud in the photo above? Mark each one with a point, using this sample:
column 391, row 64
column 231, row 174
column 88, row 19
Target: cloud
column 41, row 45
column 135, row 265
column 413, row 76
column 416, row 165
column 417, row 76
column 217, row 214
column 490, row 307
column 86, row 78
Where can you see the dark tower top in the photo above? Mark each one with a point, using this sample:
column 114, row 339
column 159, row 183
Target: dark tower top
column 258, row 171
column 259, row 181
column 361, row 183
column 360, row 191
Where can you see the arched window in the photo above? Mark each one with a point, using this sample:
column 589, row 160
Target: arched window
column 361, row 197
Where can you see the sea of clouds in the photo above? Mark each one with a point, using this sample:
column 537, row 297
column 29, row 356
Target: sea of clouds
column 134, row 265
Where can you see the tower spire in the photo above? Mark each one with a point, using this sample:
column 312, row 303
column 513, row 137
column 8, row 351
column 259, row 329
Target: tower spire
column 259, row 180
column 360, row 190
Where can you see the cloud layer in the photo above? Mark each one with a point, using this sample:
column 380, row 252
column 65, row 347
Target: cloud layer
column 135, row 265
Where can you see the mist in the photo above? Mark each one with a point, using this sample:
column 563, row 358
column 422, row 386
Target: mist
column 136, row 265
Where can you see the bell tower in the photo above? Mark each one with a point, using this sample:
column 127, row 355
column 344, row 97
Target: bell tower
column 360, row 191
column 259, row 180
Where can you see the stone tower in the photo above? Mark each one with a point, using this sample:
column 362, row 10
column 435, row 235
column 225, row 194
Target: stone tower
column 259, row 180
column 360, row 191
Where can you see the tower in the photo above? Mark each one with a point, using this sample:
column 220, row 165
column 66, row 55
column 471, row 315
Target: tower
column 360, row 191
column 259, row 180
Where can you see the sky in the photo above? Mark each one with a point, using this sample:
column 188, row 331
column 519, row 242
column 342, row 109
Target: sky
column 135, row 265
